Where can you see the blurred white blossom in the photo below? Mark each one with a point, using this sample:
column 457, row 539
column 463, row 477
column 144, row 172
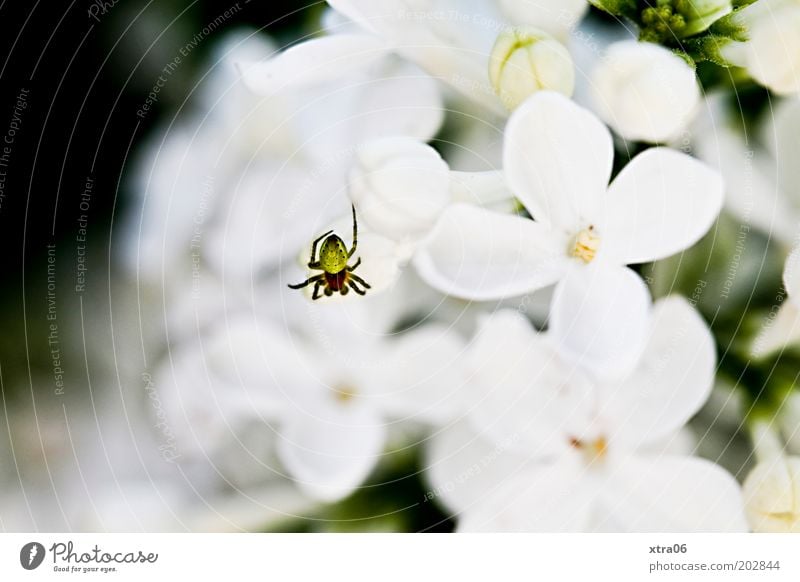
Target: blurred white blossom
column 762, row 182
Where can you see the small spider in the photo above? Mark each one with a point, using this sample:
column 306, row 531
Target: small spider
column 333, row 257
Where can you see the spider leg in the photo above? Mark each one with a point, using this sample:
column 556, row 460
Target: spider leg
column 353, row 268
column 355, row 288
column 311, row 262
column 316, row 294
column 358, row 279
column 308, row 281
column 355, row 233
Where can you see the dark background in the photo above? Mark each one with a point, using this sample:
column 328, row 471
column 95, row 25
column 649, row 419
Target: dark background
column 88, row 67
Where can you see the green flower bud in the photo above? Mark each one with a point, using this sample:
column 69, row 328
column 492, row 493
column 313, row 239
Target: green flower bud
column 700, row 14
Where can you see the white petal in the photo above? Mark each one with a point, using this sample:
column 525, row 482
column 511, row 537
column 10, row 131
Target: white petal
column 314, row 61
column 398, row 99
column 330, row 450
column 600, row 317
column 463, row 468
column 419, row 376
column 524, row 397
column 390, row 98
column 670, row 494
column 682, row 443
column 554, row 16
column 480, row 188
column 557, row 157
column 554, row 498
column 479, row 254
column 673, row 380
column 661, row 203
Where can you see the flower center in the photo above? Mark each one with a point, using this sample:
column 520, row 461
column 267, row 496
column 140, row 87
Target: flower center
column 585, row 245
column 593, row 451
column 344, row 394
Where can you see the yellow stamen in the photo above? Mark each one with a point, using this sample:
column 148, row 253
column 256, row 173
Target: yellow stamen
column 586, row 244
column 344, row 393
column 593, row 451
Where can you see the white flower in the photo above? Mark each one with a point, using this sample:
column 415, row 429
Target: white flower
column 644, row 91
column 595, row 448
column 323, row 404
column 761, row 179
column 772, row 52
column 527, row 60
column 771, row 491
column 782, row 327
column 558, row 159
column 453, row 40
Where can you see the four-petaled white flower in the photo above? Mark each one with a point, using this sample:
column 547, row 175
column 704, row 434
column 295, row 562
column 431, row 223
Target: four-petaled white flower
column 594, row 450
column 558, row 160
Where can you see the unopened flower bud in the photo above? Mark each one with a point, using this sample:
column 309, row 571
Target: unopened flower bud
column 770, row 491
column 400, row 187
column 700, row 14
column 644, row 91
column 527, row 60
column 772, row 53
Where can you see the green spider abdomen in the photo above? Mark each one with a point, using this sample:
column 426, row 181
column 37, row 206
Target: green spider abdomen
column 333, row 255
